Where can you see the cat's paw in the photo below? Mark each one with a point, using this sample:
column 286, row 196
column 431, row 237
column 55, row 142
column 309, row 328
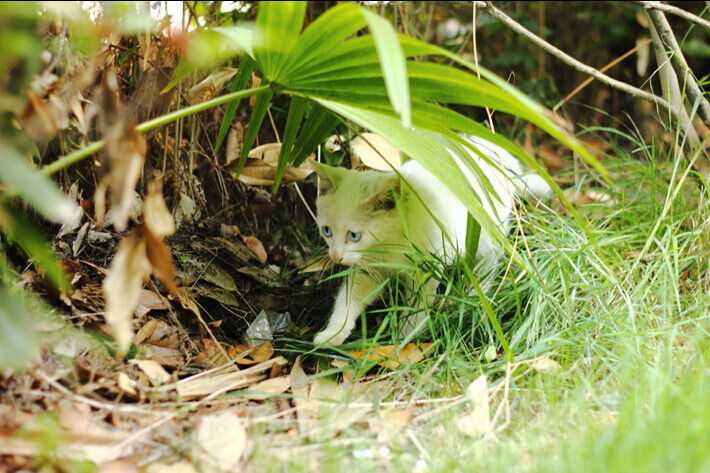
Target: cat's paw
column 330, row 338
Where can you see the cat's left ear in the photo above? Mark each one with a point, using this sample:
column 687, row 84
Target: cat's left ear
column 330, row 176
column 387, row 195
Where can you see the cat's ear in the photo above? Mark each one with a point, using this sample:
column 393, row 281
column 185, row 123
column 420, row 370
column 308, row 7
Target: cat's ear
column 386, row 195
column 330, row 177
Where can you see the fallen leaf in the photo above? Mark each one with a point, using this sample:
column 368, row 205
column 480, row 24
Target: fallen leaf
column 127, row 385
column 390, row 356
column 255, row 245
column 478, row 422
column 156, row 215
column 268, row 388
column 122, row 285
column 160, row 259
column 210, row 86
column 261, row 165
column 545, row 365
column 375, row 152
column 220, row 440
column 235, row 140
column 153, row 370
column 170, row 357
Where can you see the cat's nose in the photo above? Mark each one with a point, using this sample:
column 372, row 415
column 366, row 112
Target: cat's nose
column 337, row 258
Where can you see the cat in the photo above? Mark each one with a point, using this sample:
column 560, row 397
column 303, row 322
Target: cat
column 372, row 220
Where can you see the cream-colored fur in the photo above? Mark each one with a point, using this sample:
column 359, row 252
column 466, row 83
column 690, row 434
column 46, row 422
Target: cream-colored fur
column 390, row 219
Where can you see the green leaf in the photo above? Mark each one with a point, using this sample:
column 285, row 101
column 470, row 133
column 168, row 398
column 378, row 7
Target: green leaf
column 246, row 67
column 257, row 117
column 210, row 47
column 278, row 26
column 17, row 337
column 326, row 33
column 473, row 235
column 319, row 125
column 293, row 122
column 22, row 179
column 23, row 233
column 394, row 65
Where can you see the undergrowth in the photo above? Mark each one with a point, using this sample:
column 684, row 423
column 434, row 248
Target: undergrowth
column 621, row 306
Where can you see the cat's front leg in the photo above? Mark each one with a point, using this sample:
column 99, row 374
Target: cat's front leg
column 354, row 296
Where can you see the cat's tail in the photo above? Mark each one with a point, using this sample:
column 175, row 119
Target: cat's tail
column 532, row 185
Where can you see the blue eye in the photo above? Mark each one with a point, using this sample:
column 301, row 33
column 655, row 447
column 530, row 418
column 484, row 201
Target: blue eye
column 327, row 231
column 354, row 236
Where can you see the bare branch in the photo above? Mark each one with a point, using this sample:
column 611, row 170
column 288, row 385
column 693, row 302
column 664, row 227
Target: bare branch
column 685, row 76
column 676, row 11
column 572, row 62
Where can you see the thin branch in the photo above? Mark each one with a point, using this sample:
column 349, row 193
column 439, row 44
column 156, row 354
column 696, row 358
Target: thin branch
column 676, row 11
column 94, row 147
column 572, row 62
column 679, row 64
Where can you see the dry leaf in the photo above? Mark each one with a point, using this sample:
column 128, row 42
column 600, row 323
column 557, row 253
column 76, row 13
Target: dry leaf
column 255, row 82
column 156, row 215
column 255, row 245
column 169, row 357
column 122, row 286
column 545, row 365
column 260, row 168
column 375, row 152
column 390, row 357
column 268, row 388
column 160, row 259
column 211, row 86
column 127, row 385
column 221, row 440
column 153, row 370
column 478, row 422
column 235, row 140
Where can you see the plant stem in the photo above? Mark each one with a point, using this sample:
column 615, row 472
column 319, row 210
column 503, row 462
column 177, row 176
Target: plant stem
column 94, row 147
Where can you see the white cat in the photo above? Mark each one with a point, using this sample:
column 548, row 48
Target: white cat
column 372, row 220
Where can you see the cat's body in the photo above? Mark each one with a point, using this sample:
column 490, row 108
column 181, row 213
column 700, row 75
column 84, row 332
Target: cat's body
column 372, row 220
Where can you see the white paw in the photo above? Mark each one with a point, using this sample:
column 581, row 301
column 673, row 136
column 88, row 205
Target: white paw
column 330, row 338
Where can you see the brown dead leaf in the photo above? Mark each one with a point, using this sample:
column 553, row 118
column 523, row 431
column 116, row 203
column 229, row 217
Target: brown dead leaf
column 160, row 259
column 260, row 168
column 156, row 215
column 220, row 441
column 212, row 354
column 122, row 286
column 127, row 385
column 170, row 357
column 41, row 119
column 268, row 388
column 255, row 82
column 255, row 355
column 376, row 152
column 587, row 196
column 262, row 352
column 255, row 245
column 235, row 140
column 210, row 86
column 153, row 370
column 389, row 356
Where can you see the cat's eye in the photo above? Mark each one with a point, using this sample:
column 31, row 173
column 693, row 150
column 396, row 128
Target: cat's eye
column 354, row 236
column 327, row 231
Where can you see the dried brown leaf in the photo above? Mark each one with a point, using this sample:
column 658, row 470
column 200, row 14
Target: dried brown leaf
column 256, row 246
column 210, row 86
column 268, row 388
column 160, row 259
column 156, row 215
column 389, row 356
column 153, row 370
column 376, row 152
column 122, row 286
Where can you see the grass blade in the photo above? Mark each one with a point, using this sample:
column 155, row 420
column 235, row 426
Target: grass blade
column 257, row 117
column 293, row 122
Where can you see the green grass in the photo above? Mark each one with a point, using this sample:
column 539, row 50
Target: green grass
column 623, row 309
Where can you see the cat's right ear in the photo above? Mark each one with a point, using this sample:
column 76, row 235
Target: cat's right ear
column 330, row 177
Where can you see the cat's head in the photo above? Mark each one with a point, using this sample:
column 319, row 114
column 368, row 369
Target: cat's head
column 357, row 213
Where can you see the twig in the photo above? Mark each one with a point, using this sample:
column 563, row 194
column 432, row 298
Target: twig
column 94, row 147
column 572, row 62
column 603, row 69
column 663, row 28
column 676, row 11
